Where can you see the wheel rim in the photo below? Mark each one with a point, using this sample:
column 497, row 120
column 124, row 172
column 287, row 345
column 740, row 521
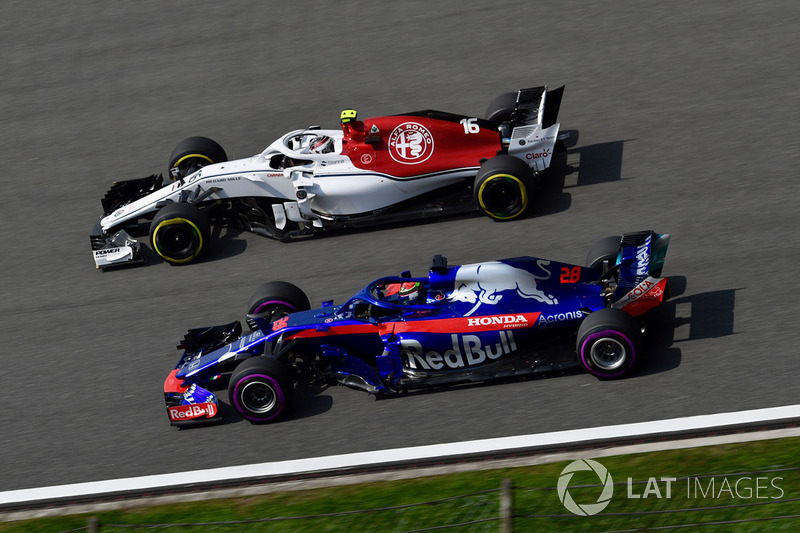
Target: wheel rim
column 177, row 240
column 259, row 397
column 503, row 196
column 608, row 354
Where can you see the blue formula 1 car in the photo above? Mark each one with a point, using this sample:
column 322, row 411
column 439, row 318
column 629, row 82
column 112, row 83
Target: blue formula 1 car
column 460, row 323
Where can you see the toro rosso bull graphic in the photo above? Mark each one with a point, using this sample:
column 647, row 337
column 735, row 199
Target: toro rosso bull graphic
column 373, row 171
column 459, row 323
column 485, row 283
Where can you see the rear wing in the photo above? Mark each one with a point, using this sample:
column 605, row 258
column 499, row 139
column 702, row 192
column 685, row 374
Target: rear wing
column 535, row 126
column 537, row 105
column 641, row 260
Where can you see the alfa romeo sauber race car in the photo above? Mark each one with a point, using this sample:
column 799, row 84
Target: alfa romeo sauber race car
column 458, row 324
column 378, row 170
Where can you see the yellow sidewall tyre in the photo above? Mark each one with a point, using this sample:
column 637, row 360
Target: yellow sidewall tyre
column 179, row 233
column 193, row 153
column 503, row 187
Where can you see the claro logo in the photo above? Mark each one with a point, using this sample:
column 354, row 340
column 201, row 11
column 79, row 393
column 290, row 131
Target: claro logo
column 188, row 412
column 538, row 155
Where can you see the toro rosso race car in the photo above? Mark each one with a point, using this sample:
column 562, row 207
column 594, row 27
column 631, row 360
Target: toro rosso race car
column 378, row 170
column 459, row 323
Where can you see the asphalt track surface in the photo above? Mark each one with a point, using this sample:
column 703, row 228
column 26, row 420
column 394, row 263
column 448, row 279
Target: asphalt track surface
column 687, row 120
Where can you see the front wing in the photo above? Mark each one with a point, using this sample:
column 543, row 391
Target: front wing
column 189, row 405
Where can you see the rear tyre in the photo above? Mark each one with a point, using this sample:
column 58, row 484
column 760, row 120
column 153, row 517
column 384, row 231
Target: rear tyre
column 504, row 187
column 605, row 249
column 608, row 343
column 194, row 153
column 501, row 108
column 179, row 232
column 260, row 389
column 275, row 300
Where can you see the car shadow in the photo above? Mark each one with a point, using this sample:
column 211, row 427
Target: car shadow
column 576, row 167
column 682, row 318
column 308, row 399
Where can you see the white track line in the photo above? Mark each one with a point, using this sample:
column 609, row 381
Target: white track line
column 415, row 453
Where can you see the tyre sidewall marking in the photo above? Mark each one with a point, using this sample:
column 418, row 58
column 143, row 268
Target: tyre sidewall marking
column 590, row 338
column 258, row 308
column 276, row 387
column 190, row 156
column 522, row 191
column 179, row 220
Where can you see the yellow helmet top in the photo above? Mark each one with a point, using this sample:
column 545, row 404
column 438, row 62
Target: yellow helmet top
column 348, row 115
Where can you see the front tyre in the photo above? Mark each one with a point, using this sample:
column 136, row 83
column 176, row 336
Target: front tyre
column 504, row 187
column 260, row 389
column 608, row 343
column 179, row 232
column 275, row 300
column 192, row 154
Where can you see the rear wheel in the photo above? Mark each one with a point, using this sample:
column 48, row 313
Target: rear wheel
column 260, row 389
column 501, row 108
column 608, row 343
column 603, row 250
column 179, row 232
column 194, row 153
column 503, row 187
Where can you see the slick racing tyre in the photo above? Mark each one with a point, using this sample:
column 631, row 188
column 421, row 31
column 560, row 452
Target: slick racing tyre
column 192, row 154
column 501, row 108
column 275, row 300
column 179, row 232
column 503, row 187
column 605, row 249
column 260, row 389
column 608, row 343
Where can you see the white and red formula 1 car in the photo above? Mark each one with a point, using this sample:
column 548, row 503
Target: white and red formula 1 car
column 371, row 171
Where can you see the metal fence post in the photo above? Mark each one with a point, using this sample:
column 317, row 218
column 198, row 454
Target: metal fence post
column 507, row 506
column 93, row 525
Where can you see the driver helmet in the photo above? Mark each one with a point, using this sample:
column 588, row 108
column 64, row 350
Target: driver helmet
column 321, row 145
column 348, row 115
column 404, row 292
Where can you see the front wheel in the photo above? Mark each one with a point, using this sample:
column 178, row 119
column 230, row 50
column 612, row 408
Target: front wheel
column 194, row 153
column 608, row 343
column 179, row 232
column 260, row 389
column 275, row 300
column 504, row 187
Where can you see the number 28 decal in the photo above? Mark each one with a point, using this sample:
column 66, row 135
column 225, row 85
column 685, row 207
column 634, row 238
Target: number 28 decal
column 280, row 324
column 570, row 274
column 470, row 125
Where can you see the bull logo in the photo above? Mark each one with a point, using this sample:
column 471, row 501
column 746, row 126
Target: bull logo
column 485, row 283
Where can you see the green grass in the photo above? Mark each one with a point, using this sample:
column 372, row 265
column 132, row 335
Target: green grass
column 536, row 503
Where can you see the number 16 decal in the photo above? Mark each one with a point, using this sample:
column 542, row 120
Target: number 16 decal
column 470, row 125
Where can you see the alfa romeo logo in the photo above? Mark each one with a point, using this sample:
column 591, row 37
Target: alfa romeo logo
column 410, row 143
column 586, row 509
